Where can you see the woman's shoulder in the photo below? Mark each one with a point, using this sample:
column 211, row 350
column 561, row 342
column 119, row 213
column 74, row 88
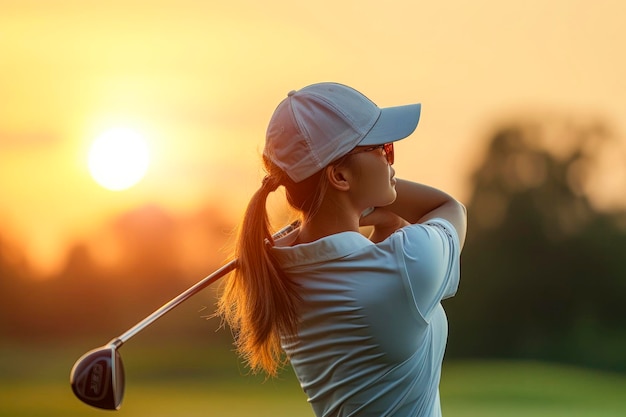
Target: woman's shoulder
column 420, row 236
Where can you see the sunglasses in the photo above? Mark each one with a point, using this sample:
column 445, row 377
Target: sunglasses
column 387, row 150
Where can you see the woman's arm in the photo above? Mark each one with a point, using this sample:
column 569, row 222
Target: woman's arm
column 417, row 203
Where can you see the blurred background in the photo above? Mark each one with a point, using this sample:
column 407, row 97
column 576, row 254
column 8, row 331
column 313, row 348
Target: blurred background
column 130, row 136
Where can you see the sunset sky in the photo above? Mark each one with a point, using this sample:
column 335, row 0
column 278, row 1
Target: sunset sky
column 199, row 80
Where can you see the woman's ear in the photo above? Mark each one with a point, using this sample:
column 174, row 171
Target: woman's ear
column 338, row 177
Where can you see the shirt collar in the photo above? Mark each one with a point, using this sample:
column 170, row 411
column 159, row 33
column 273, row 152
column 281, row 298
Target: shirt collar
column 326, row 249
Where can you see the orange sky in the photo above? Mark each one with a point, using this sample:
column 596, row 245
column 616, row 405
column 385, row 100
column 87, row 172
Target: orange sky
column 200, row 81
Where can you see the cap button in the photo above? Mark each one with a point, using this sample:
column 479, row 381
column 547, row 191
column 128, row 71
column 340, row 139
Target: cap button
column 291, row 93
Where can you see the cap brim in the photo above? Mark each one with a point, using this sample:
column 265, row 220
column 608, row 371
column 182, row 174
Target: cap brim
column 394, row 123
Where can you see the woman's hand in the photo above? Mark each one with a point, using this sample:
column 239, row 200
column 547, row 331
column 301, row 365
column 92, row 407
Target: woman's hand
column 385, row 222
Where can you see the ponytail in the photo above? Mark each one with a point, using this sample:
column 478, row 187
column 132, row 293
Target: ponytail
column 259, row 302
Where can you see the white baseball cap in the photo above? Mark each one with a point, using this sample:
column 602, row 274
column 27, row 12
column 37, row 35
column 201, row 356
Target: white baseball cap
column 317, row 124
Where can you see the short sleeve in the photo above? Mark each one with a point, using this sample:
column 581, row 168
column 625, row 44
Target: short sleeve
column 430, row 253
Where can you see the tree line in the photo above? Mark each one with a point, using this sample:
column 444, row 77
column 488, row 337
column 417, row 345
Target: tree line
column 543, row 275
column 157, row 257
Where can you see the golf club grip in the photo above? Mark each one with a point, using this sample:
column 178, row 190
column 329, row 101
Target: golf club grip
column 205, row 282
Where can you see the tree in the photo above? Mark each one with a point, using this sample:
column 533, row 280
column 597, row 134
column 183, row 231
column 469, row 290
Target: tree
column 13, row 269
column 542, row 269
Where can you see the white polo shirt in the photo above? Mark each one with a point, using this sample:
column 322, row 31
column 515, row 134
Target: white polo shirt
column 373, row 332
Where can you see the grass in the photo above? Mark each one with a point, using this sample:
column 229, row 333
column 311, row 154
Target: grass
column 197, row 380
column 512, row 389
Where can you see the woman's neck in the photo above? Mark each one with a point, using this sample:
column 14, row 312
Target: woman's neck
column 328, row 220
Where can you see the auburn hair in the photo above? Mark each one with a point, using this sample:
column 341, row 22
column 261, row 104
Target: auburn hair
column 259, row 302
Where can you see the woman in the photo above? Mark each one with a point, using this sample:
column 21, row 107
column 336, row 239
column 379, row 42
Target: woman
column 359, row 319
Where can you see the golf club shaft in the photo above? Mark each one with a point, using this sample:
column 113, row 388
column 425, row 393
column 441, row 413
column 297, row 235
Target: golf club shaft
column 205, row 282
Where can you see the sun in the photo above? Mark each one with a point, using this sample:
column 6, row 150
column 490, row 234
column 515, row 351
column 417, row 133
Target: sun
column 118, row 159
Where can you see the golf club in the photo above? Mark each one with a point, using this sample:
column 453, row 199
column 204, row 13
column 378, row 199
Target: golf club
column 97, row 377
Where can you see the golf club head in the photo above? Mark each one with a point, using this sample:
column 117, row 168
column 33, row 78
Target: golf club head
column 97, row 378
